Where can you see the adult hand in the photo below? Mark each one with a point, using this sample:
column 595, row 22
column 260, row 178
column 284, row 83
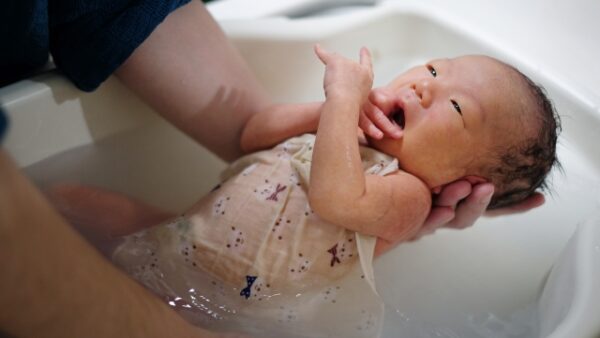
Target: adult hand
column 460, row 204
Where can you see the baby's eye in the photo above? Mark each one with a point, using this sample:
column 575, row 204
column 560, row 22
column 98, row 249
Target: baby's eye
column 432, row 70
column 456, row 106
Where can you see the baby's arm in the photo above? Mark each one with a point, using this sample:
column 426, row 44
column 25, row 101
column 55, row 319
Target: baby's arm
column 392, row 207
column 279, row 122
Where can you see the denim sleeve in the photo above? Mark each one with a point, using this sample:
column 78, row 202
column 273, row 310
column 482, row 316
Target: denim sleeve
column 89, row 40
column 3, row 124
column 23, row 37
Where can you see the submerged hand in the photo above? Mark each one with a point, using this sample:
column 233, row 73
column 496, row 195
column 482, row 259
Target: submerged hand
column 460, row 204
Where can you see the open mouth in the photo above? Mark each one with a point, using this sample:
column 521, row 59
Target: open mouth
column 397, row 116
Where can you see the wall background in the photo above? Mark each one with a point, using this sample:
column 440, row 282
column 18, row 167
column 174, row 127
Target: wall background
column 561, row 39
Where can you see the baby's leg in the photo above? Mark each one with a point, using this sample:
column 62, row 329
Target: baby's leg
column 101, row 214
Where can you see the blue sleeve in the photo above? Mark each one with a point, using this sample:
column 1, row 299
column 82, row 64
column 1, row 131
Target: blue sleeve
column 3, row 124
column 23, row 37
column 89, row 40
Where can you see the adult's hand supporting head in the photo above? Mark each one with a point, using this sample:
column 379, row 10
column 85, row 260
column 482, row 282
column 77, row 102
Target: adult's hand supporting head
column 460, row 204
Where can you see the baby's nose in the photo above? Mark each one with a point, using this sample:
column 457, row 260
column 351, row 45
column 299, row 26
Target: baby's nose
column 423, row 90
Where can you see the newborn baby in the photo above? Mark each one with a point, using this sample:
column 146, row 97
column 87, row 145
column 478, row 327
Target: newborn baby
column 268, row 247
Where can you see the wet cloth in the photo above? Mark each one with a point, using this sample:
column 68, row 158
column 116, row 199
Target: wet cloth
column 88, row 40
column 252, row 253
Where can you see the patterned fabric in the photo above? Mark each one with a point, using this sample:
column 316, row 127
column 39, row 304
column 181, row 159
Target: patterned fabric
column 256, row 236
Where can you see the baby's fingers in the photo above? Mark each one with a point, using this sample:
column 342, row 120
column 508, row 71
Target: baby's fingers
column 384, row 123
column 381, row 121
column 368, row 127
column 322, row 54
column 365, row 58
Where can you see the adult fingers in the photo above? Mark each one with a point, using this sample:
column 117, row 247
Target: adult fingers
column 438, row 217
column 453, row 193
column 533, row 201
column 468, row 211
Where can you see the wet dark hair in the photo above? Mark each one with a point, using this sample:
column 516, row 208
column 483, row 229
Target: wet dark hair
column 522, row 168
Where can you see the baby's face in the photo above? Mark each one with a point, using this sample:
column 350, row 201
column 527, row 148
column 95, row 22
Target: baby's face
column 452, row 111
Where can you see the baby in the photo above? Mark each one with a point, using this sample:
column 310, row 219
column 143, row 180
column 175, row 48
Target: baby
column 295, row 218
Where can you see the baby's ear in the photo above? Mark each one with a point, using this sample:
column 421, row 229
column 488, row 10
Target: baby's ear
column 474, row 179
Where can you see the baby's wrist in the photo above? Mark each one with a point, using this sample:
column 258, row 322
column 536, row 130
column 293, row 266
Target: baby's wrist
column 345, row 93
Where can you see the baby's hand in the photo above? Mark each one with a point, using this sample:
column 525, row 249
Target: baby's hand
column 374, row 117
column 346, row 77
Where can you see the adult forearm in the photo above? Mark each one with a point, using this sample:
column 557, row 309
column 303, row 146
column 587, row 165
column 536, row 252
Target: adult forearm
column 191, row 74
column 53, row 284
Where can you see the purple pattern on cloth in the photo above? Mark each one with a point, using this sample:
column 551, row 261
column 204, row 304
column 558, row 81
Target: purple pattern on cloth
column 246, row 291
column 278, row 189
column 333, row 252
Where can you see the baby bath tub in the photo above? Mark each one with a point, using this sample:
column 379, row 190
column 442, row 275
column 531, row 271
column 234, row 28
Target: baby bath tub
column 531, row 275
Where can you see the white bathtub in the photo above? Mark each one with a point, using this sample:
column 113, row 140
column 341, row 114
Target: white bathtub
column 492, row 280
